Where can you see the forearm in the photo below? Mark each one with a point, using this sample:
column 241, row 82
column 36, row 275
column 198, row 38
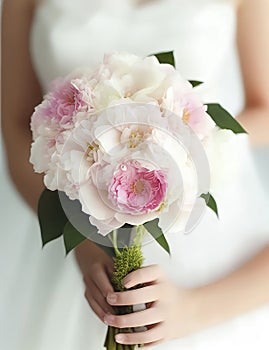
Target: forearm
column 256, row 122
column 20, row 93
column 28, row 183
column 243, row 290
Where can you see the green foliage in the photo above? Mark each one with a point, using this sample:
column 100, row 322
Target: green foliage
column 153, row 228
column 51, row 216
column 127, row 260
column 195, row 83
column 72, row 237
column 223, row 119
column 165, row 57
column 210, row 202
column 54, row 223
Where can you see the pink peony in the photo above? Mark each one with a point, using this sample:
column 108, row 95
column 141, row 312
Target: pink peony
column 155, row 117
column 135, row 189
column 131, row 166
column 55, row 117
column 194, row 114
column 64, row 101
column 182, row 99
column 67, row 98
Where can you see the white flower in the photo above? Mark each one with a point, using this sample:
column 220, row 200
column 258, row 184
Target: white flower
column 132, row 132
column 222, row 149
column 133, row 112
column 137, row 79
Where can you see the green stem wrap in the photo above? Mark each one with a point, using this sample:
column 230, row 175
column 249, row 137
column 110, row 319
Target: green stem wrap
column 127, row 259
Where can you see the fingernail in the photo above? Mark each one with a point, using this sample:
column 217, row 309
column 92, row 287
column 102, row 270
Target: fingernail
column 111, row 298
column 119, row 338
column 109, row 311
column 107, row 319
column 125, row 282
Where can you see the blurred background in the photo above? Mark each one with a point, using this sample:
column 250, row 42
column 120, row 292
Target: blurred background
column 14, row 214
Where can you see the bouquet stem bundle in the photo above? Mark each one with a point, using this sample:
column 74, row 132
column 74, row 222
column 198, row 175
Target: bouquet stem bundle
column 127, row 259
column 77, row 126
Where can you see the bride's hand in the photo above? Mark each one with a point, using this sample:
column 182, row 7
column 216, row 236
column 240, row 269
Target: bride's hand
column 96, row 267
column 170, row 311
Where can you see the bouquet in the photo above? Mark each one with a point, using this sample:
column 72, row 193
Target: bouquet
column 126, row 151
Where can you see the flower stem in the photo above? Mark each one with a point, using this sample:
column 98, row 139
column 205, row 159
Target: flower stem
column 126, row 260
column 115, row 242
column 140, row 233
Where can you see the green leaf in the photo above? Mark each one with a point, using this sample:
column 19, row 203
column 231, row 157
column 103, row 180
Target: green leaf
column 223, row 119
column 51, row 216
column 72, row 237
column 127, row 226
column 153, row 228
column 54, row 223
column 165, row 57
column 210, row 202
column 195, row 83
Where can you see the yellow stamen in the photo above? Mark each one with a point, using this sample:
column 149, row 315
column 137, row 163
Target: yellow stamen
column 186, row 115
column 135, row 138
column 138, row 187
column 128, row 94
column 71, row 99
column 162, row 205
column 90, row 148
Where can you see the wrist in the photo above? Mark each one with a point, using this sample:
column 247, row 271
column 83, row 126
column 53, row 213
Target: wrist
column 198, row 310
column 88, row 254
column 211, row 306
column 189, row 313
column 83, row 252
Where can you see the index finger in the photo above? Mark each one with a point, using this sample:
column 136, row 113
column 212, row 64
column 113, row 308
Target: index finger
column 152, row 273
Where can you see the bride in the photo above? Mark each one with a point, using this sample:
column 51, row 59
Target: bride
column 214, row 291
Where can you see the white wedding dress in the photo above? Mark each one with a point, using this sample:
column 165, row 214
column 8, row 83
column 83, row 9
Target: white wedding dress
column 43, row 304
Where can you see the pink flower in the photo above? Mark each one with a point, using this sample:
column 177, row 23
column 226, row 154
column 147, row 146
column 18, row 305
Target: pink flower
column 65, row 101
column 182, row 99
column 68, row 97
column 55, row 117
column 135, row 189
column 155, row 118
column 194, row 114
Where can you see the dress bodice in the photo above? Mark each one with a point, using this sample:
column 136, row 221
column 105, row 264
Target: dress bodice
column 67, row 34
